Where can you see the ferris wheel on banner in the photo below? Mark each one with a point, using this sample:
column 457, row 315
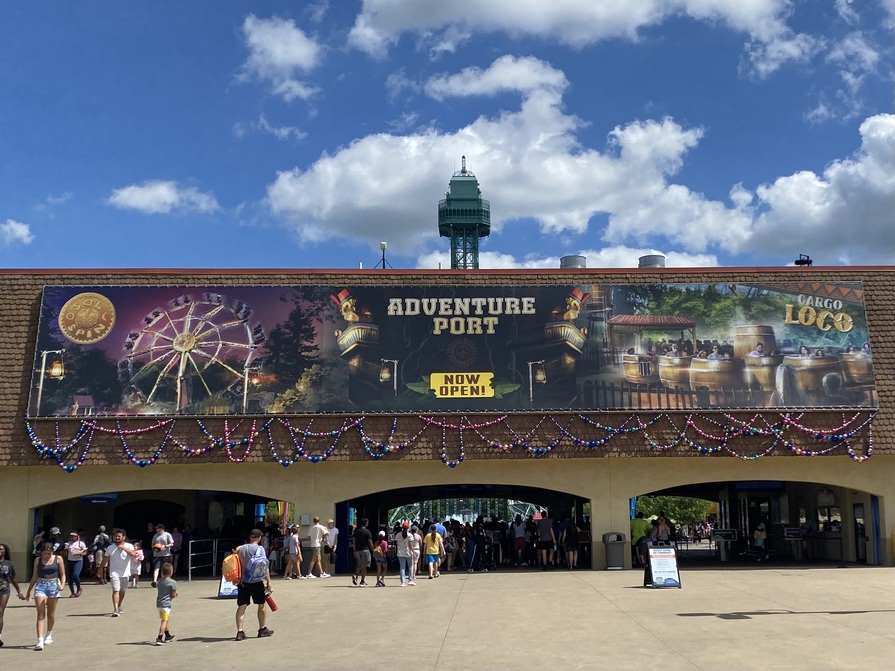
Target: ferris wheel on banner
column 190, row 354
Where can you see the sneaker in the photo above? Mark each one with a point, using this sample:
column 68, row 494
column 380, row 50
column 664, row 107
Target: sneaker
column 116, row 613
column 324, row 575
column 240, row 636
column 264, row 632
column 288, row 577
column 412, row 583
column 40, row 645
column 361, row 584
column 403, row 584
column 49, row 639
column 303, row 577
column 354, row 580
column 469, row 570
column 159, row 641
column 169, row 636
column 311, row 576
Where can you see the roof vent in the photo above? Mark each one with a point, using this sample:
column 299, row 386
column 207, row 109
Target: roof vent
column 652, row 261
column 573, row 261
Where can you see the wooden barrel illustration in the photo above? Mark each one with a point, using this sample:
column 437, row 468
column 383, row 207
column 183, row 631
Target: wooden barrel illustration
column 810, row 371
column 857, row 369
column 674, row 371
column 761, row 371
column 746, row 337
column 717, row 374
column 640, row 368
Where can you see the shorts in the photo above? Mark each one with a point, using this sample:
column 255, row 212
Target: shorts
column 158, row 561
column 250, row 592
column 519, row 543
column 431, row 559
column 316, row 552
column 545, row 545
column 362, row 558
column 47, row 588
column 116, row 582
column 381, row 560
column 571, row 548
column 164, row 613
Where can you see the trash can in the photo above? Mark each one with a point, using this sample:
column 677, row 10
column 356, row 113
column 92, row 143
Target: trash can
column 614, row 542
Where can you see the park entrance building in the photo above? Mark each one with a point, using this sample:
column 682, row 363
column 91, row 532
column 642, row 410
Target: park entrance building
column 347, row 391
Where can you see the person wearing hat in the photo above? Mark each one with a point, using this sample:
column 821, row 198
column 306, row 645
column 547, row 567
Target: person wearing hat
column 55, row 539
column 100, row 542
column 404, row 550
column 75, row 550
column 162, row 542
column 255, row 582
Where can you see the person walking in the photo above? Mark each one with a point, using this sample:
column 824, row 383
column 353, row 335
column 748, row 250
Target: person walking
column 100, row 542
column 546, row 540
column 122, row 561
column 47, row 580
column 380, row 557
column 167, row 591
column 7, row 579
column 162, row 542
column 433, row 547
column 254, row 586
column 570, row 542
column 404, row 550
column 292, row 547
column 75, row 551
column 363, row 551
column 315, row 536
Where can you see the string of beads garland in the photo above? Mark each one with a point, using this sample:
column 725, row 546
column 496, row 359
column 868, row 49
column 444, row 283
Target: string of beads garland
column 700, row 433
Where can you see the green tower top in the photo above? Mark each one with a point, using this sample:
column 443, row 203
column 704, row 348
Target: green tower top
column 464, row 217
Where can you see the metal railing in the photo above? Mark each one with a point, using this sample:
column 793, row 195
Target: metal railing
column 209, row 552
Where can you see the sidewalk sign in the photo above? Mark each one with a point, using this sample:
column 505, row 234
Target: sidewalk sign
column 226, row 588
column 661, row 567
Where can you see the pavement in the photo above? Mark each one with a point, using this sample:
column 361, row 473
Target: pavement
column 736, row 618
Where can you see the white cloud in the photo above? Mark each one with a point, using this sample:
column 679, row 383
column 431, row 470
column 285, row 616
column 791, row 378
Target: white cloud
column 845, row 213
column 846, row 12
column 262, row 125
column 507, row 73
column 14, row 232
column 279, row 52
column 442, row 27
column 162, row 197
column 532, row 166
column 607, row 257
column 397, row 82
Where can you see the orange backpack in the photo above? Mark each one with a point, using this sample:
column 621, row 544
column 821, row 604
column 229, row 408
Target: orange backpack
column 231, row 569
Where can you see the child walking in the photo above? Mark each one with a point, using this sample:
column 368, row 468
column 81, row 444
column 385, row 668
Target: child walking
column 167, row 590
column 138, row 564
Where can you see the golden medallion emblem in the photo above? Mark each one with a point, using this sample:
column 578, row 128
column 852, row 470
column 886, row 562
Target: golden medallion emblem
column 87, row 318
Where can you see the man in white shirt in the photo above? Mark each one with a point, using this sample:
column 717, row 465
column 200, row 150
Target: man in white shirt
column 316, row 535
column 120, row 560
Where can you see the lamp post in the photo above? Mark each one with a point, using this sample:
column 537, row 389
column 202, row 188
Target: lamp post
column 389, row 373
column 539, row 376
column 245, row 385
column 57, row 372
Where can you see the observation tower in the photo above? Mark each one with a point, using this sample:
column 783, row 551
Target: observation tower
column 464, row 217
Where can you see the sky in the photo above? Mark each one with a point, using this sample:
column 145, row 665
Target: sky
column 303, row 134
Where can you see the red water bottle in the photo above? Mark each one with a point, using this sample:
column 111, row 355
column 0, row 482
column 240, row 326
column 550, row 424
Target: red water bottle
column 270, row 602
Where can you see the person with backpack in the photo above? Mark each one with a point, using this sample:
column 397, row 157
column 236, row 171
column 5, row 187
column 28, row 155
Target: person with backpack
column 100, row 542
column 254, row 585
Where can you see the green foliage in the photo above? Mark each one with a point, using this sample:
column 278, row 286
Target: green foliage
column 675, row 508
column 320, row 388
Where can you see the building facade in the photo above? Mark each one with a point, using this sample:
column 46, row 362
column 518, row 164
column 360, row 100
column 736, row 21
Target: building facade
column 338, row 390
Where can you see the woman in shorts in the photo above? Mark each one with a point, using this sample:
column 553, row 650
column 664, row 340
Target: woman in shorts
column 7, row 579
column 47, row 580
column 433, row 548
column 380, row 558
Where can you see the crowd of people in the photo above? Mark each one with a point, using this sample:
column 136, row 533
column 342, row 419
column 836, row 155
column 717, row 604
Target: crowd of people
column 428, row 547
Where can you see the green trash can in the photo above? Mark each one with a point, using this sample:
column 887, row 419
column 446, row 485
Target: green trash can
column 614, row 542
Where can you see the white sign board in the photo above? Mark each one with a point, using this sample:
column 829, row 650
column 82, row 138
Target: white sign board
column 663, row 567
column 227, row 589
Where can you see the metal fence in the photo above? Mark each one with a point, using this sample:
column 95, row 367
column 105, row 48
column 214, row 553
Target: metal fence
column 208, row 553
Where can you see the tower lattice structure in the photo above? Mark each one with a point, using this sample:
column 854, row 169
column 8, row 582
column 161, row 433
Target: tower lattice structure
column 464, row 217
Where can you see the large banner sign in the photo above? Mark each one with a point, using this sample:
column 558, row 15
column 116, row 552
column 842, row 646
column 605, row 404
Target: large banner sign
column 210, row 350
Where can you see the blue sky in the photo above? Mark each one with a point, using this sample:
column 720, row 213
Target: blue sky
column 303, row 134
